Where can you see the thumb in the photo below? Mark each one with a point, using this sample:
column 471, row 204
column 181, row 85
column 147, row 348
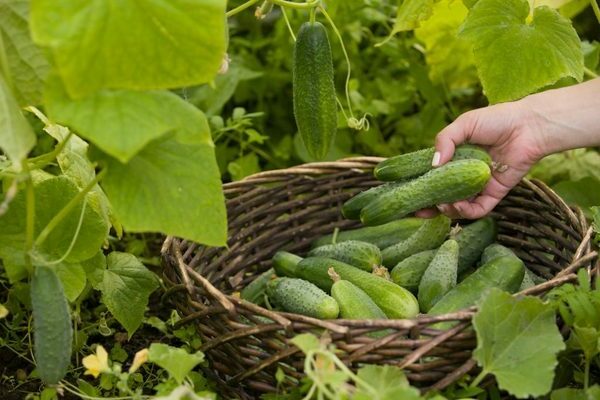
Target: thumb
column 458, row 132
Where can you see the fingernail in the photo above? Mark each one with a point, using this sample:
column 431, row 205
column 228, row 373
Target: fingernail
column 436, row 159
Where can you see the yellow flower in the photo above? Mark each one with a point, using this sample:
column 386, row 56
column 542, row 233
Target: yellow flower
column 3, row 311
column 139, row 358
column 97, row 363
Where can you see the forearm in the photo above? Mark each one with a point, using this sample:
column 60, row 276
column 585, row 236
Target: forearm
column 566, row 118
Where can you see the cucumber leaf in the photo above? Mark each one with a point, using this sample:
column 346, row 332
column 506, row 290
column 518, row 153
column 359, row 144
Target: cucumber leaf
column 517, row 53
column 411, row 13
column 509, row 332
column 176, row 361
column 389, row 383
column 16, row 135
column 154, row 44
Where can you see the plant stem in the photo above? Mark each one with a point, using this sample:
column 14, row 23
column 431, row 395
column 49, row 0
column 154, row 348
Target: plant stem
column 339, row 36
column 241, row 8
column 586, row 376
column 588, row 71
column 287, row 22
column 29, row 215
column 478, row 379
column 298, row 6
column 596, row 9
column 67, row 209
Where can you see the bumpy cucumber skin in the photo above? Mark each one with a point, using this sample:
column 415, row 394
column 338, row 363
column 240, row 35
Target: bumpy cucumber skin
column 456, row 180
column 285, row 263
column 408, row 272
column 440, row 276
column 473, row 239
column 315, row 106
column 429, row 236
column 361, row 255
column 497, row 250
column 351, row 208
column 381, row 236
column 52, row 331
column 394, row 300
column 411, row 165
column 302, row 297
column 255, row 290
column 505, row 273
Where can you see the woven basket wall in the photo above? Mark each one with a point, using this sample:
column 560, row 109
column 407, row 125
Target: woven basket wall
column 286, row 210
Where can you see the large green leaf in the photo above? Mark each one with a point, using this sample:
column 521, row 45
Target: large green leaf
column 122, row 122
column 389, row 383
column 176, row 361
column 26, row 62
column 583, row 193
column 73, row 279
column 449, row 57
column 16, row 135
column 51, row 195
column 411, row 13
column 125, row 287
column 170, row 187
column 509, row 333
column 151, row 44
column 516, row 56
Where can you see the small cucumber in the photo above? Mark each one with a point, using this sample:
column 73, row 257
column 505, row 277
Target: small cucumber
column 255, row 290
column 440, row 276
column 505, row 273
column 362, row 255
column 313, row 88
column 52, row 330
column 408, row 272
column 302, row 297
column 497, row 250
column 381, row 236
column 285, row 263
column 456, row 180
column 429, row 236
column 394, row 300
column 351, row 208
column 473, row 239
column 411, row 165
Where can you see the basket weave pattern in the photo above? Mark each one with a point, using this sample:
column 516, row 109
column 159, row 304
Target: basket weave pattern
column 286, row 210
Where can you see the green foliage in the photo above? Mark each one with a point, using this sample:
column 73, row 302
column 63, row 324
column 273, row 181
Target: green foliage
column 411, row 13
column 16, row 136
column 126, row 286
column 177, row 362
column 389, row 381
column 509, row 331
column 503, row 31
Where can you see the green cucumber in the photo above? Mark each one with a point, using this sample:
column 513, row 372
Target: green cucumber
column 473, row 239
column 440, row 276
column 429, row 236
column 382, row 236
column 505, row 273
column 285, row 263
column 394, row 300
column 408, row 272
column 456, row 180
column 497, row 250
column 362, row 255
column 411, row 165
column 302, row 297
column 52, row 329
column 255, row 290
column 315, row 107
column 351, row 208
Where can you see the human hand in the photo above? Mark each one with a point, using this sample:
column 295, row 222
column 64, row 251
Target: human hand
column 510, row 133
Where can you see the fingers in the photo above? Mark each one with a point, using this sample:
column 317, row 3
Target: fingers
column 427, row 213
column 451, row 136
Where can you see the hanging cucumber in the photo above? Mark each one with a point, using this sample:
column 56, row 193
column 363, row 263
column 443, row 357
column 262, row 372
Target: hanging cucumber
column 313, row 89
column 440, row 276
column 417, row 163
column 52, row 331
column 361, row 255
column 456, row 180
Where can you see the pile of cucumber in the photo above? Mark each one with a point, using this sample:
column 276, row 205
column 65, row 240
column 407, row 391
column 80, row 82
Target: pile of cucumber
column 434, row 268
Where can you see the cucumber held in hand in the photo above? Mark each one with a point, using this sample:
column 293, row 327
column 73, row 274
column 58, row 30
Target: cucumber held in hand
column 351, row 208
column 456, row 180
column 408, row 272
column 382, row 236
column 473, row 239
column 361, row 255
column 302, row 297
column 440, row 276
column 430, row 235
column 411, row 165
column 313, row 89
column 394, row 301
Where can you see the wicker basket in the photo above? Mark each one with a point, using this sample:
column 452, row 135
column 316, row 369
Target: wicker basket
column 287, row 209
